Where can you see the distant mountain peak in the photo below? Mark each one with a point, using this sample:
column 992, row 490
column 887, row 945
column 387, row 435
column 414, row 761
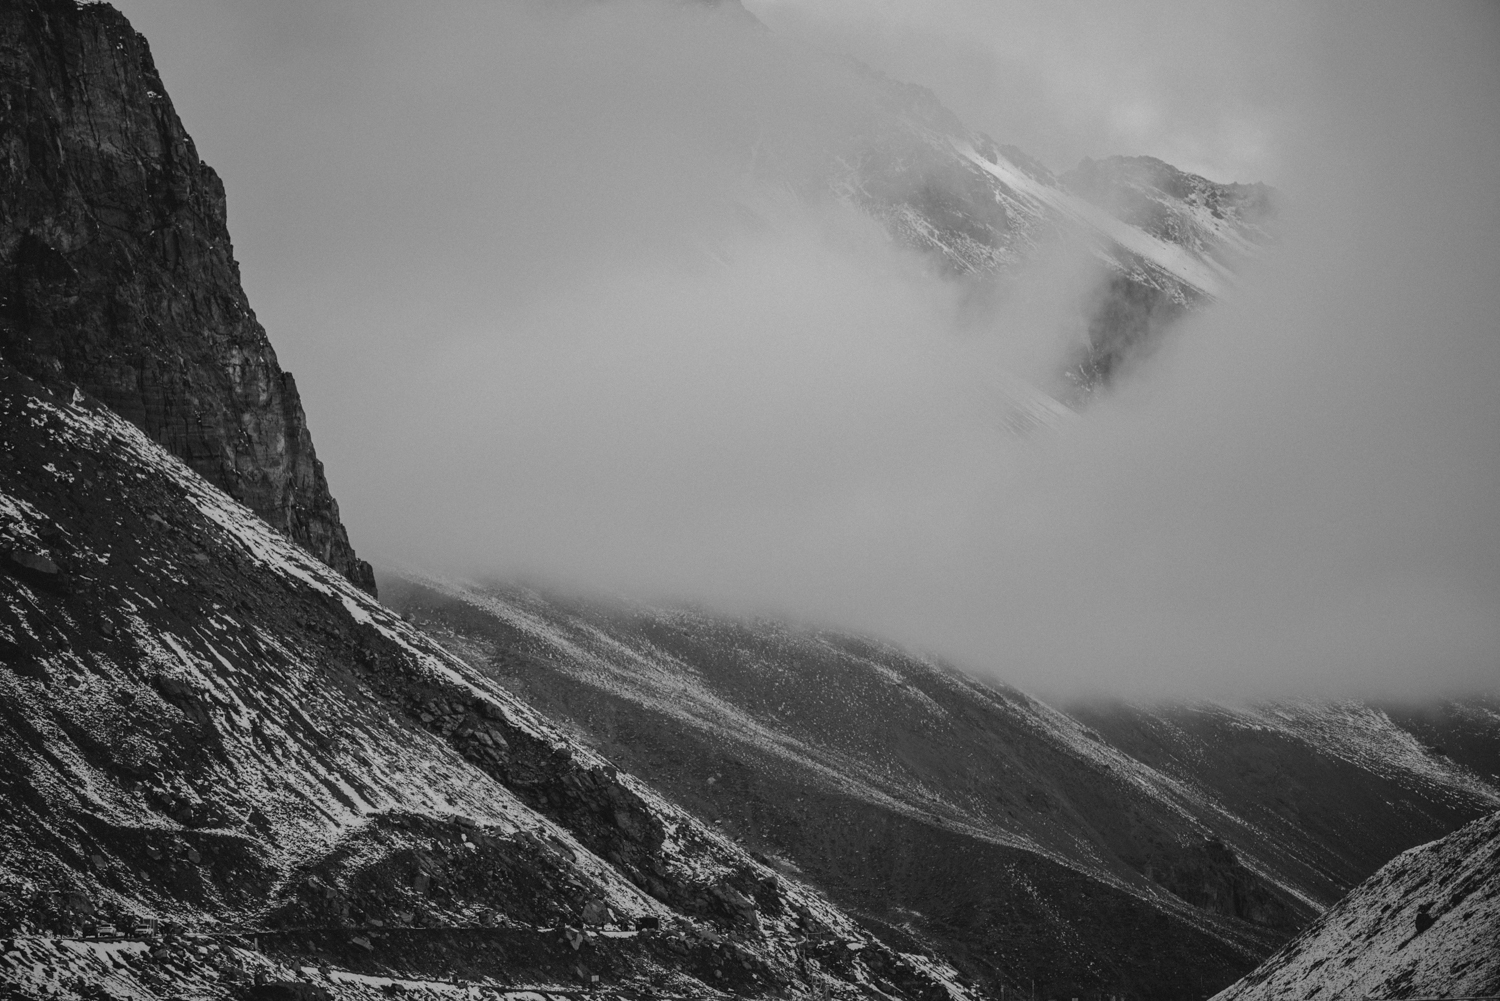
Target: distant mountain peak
column 1167, row 241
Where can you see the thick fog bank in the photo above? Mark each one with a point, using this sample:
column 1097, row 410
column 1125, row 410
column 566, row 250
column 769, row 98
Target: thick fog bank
column 564, row 303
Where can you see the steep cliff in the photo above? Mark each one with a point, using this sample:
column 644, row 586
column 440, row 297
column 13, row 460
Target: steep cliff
column 117, row 274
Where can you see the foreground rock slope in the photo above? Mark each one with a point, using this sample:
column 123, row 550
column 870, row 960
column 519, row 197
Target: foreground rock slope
column 1427, row 925
column 117, row 274
column 221, row 749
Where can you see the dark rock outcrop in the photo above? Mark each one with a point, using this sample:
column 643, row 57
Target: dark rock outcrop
column 117, row 274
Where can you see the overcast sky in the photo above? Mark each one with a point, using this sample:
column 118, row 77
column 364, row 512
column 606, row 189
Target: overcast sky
column 502, row 247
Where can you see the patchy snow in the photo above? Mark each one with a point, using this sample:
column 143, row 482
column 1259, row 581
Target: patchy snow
column 356, row 611
column 1209, row 278
column 17, row 516
column 640, row 671
column 1426, row 925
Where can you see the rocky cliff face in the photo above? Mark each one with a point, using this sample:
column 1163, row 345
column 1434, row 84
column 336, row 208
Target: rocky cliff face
column 117, row 274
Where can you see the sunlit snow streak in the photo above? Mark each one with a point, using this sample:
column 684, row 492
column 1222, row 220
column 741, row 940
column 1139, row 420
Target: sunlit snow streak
column 1171, row 258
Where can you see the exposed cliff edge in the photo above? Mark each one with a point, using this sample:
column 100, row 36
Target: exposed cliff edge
column 117, row 274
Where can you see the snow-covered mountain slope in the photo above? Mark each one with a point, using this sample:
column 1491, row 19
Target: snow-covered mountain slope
column 1117, row 242
column 1427, row 925
column 1220, row 224
column 985, row 207
column 968, row 815
column 209, row 731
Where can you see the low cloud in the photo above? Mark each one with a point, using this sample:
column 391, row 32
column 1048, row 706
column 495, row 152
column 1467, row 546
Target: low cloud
column 563, row 306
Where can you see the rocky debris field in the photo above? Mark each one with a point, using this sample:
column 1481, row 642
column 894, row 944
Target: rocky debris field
column 224, row 764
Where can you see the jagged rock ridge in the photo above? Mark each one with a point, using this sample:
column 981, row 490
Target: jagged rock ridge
column 117, row 274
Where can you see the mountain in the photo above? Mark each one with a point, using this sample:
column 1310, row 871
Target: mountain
column 1426, row 925
column 220, row 749
column 1166, row 241
column 117, row 274
column 229, row 771
column 1156, row 851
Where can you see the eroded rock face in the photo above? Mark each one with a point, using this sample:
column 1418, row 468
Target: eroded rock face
column 117, row 274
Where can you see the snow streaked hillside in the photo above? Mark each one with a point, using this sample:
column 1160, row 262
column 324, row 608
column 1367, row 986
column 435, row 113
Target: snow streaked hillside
column 1339, row 787
column 1427, row 925
column 1235, row 826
